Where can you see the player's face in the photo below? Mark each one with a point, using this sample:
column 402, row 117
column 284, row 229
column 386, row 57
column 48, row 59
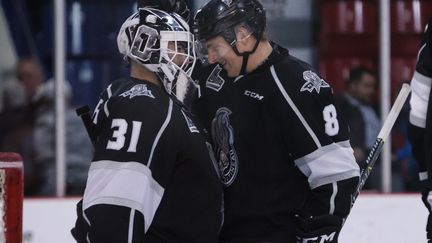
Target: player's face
column 219, row 51
column 178, row 53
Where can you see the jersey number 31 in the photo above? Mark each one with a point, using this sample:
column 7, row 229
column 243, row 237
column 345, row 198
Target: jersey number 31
column 118, row 139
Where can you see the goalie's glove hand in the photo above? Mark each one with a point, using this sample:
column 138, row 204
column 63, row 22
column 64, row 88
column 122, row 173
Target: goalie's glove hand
column 323, row 229
column 427, row 200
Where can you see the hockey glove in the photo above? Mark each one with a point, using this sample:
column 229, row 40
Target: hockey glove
column 79, row 232
column 427, row 200
column 322, row 229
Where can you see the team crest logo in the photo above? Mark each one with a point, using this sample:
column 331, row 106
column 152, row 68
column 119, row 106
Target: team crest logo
column 138, row 90
column 215, row 81
column 190, row 123
column 313, row 82
column 223, row 138
column 227, row 2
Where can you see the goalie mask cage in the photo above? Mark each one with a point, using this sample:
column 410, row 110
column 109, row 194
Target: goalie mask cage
column 11, row 197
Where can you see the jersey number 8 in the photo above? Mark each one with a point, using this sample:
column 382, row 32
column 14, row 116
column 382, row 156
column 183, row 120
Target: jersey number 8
column 331, row 121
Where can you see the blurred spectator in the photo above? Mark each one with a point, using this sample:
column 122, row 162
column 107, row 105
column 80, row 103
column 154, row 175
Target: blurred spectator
column 17, row 121
column 12, row 93
column 355, row 104
column 28, row 128
column 79, row 149
column 16, row 94
column 30, row 75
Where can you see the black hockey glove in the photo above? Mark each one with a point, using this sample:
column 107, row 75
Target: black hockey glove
column 79, row 232
column 320, row 229
column 427, row 200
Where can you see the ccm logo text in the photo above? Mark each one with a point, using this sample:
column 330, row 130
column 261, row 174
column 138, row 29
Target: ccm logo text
column 253, row 95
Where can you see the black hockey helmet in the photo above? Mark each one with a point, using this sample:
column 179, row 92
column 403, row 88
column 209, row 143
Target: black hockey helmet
column 219, row 17
column 176, row 6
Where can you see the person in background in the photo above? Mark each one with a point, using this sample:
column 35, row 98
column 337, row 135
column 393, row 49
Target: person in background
column 12, row 92
column 152, row 177
column 30, row 75
column 17, row 122
column 356, row 106
column 79, row 149
column 420, row 127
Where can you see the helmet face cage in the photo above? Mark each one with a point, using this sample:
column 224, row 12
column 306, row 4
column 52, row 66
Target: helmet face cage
column 177, row 60
column 162, row 43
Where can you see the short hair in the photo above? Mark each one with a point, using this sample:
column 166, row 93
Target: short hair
column 357, row 73
column 259, row 35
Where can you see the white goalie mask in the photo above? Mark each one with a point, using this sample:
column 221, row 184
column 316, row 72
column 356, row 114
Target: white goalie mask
column 162, row 43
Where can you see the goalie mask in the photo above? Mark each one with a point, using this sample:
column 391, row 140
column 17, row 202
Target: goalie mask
column 162, row 43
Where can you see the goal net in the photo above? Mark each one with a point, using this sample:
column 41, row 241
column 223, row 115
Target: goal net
column 11, row 197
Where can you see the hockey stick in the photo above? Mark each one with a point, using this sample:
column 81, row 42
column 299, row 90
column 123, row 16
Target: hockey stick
column 84, row 113
column 382, row 137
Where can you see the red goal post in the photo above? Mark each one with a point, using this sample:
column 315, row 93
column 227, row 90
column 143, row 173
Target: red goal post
column 11, row 197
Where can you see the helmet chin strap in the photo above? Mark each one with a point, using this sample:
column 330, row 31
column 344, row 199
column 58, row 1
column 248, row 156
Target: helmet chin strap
column 245, row 55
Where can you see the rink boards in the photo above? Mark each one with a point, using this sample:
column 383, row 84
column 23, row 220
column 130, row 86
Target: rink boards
column 375, row 218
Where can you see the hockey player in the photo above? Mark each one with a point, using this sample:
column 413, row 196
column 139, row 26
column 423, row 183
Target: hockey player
column 420, row 128
column 282, row 147
column 152, row 178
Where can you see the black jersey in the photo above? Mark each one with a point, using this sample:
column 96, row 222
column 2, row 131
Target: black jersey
column 280, row 144
column 152, row 178
column 420, row 129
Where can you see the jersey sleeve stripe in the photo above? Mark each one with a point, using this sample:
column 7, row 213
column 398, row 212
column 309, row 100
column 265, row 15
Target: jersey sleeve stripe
column 109, row 92
column 106, row 108
column 332, row 197
column 128, row 184
column 420, row 51
column 329, row 164
column 294, row 107
column 131, row 225
column 161, row 130
column 323, row 150
column 420, row 86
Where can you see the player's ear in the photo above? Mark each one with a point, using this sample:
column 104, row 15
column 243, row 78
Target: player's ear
column 242, row 33
column 243, row 37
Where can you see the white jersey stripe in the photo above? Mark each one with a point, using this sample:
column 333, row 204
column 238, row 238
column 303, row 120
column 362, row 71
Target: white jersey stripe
column 420, row 86
column 109, row 92
column 294, row 107
column 161, row 130
column 116, row 183
column 332, row 198
column 131, row 225
column 420, row 51
column 328, row 164
column 106, row 108
column 322, row 151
